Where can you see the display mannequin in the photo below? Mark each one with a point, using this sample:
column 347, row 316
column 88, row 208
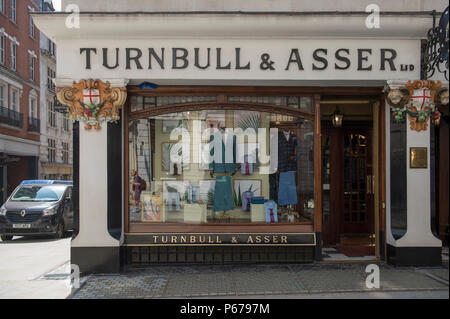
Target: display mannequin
column 223, row 148
column 287, row 165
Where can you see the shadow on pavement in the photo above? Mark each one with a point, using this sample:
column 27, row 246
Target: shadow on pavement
column 32, row 239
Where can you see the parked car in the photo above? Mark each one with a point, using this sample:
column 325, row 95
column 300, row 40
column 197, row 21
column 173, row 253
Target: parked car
column 38, row 207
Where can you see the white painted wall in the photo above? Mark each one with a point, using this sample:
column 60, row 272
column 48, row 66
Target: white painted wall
column 255, row 5
column 418, row 181
column 72, row 64
column 93, row 190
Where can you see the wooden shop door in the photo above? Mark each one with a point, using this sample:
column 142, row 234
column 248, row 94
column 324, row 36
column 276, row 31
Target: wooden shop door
column 347, row 183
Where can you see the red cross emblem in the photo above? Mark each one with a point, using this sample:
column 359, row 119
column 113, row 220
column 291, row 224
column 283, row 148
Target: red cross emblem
column 424, row 97
column 91, row 96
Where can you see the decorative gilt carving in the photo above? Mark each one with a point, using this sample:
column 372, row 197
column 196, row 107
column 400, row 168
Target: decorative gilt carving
column 414, row 122
column 441, row 97
column 92, row 102
column 397, row 98
column 418, row 99
column 423, row 85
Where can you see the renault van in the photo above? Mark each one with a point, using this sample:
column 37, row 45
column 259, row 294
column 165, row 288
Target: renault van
column 38, row 207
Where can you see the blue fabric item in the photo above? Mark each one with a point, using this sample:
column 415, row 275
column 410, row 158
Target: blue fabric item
column 287, row 190
column 223, row 194
column 273, row 187
column 258, row 200
column 193, row 193
column 270, row 209
column 173, row 197
column 227, row 163
column 246, row 200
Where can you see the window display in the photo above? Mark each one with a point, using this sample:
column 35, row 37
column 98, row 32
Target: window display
column 221, row 166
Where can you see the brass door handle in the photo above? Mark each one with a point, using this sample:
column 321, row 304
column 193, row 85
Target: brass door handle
column 368, row 184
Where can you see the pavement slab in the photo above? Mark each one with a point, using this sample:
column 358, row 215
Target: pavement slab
column 218, row 281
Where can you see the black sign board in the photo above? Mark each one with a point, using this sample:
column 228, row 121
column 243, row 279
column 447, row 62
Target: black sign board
column 60, row 108
column 221, row 239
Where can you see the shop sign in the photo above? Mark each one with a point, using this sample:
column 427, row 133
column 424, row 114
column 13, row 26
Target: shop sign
column 214, row 58
column 222, row 239
column 298, row 59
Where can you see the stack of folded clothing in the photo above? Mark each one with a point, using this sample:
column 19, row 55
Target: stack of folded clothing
column 258, row 200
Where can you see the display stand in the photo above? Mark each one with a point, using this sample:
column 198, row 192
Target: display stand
column 257, row 214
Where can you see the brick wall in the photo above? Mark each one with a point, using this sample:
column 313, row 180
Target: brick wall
column 21, row 31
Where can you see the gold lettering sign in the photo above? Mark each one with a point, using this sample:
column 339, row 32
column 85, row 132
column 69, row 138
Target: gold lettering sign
column 418, row 157
column 220, row 239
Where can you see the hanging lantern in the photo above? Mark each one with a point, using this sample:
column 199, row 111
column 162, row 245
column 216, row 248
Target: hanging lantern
column 337, row 118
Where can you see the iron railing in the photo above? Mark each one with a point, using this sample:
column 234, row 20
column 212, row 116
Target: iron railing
column 11, row 117
column 34, row 125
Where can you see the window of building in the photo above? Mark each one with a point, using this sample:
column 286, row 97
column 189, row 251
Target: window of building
column 2, row 6
column 51, row 150
column 51, row 47
column 13, row 56
column 15, row 103
column 65, row 153
column 32, row 68
column 3, row 95
column 51, row 114
column 66, row 125
column 220, row 164
column 33, row 108
column 13, row 10
column 2, row 49
column 50, row 76
column 31, row 26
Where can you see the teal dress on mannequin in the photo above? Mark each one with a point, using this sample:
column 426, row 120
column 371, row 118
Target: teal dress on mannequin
column 223, row 194
column 224, row 161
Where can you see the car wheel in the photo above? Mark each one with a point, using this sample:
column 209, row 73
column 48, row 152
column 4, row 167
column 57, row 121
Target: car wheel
column 60, row 230
column 6, row 237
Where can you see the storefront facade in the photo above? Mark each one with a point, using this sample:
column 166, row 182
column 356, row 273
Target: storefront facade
column 207, row 137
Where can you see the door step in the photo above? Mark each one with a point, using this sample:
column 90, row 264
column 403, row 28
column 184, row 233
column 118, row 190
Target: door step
column 357, row 240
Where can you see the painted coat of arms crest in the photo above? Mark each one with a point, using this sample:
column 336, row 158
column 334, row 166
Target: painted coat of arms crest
column 419, row 101
column 92, row 102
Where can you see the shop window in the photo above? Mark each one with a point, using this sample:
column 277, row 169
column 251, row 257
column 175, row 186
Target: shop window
column 221, row 166
column 51, row 176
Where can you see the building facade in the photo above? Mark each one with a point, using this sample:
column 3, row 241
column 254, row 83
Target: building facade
column 264, row 131
column 56, row 129
column 19, row 94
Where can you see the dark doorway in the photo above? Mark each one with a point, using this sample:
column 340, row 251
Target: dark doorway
column 348, row 185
